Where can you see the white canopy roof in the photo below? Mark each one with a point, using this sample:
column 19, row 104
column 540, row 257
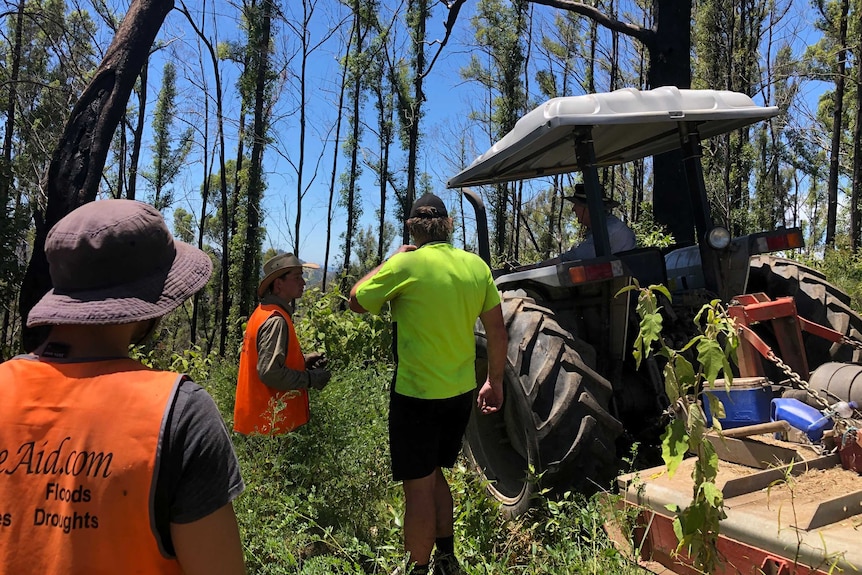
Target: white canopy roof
column 626, row 124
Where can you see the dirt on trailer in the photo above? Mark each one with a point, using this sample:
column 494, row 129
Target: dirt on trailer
column 792, row 504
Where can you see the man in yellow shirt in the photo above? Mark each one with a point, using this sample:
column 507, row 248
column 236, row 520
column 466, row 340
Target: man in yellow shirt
column 436, row 292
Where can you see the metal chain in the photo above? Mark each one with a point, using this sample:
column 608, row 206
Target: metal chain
column 797, row 379
column 800, row 383
column 846, row 340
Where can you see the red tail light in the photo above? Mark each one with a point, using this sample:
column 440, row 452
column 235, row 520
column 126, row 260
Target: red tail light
column 595, row 272
column 787, row 240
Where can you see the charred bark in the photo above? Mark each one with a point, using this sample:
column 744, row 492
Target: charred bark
column 79, row 158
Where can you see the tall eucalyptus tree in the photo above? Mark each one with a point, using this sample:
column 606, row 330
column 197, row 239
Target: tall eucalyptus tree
column 410, row 89
column 10, row 234
column 726, row 39
column 837, row 118
column 357, row 63
column 222, row 181
column 827, row 62
column 168, row 157
column 856, row 170
column 79, row 158
column 301, row 27
column 260, row 77
column 383, row 95
column 331, row 200
column 499, row 27
column 54, row 59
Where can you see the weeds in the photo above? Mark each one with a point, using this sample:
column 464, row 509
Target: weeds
column 320, row 500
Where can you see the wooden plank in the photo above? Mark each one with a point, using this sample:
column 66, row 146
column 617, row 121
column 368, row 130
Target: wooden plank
column 752, row 453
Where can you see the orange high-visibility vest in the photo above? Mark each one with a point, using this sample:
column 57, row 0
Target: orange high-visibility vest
column 260, row 408
column 79, row 453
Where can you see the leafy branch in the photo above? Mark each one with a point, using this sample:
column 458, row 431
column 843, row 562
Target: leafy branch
column 714, row 348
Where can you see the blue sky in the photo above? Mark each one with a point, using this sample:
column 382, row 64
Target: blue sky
column 449, row 101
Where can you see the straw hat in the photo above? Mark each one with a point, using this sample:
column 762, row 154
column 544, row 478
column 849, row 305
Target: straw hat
column 278, row 266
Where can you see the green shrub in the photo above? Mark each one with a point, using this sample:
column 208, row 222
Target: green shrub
column 324, row 324
column 843, row 267
column 320, row 500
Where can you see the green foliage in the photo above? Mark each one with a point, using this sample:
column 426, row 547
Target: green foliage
column 321, row 501
column 566, row 534
column 648, row 232
column 650, row 319
column 697, row 525
column 347, row 338
column 168, row 159
column 193, row 362
column 366, row 248
column 184, row 226
column 843, row 267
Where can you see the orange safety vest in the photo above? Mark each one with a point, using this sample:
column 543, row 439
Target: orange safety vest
column 79, row 453
column 260, row 408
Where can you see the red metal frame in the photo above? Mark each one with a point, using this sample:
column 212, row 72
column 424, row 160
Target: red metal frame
column 752, row 309
column 657, row 542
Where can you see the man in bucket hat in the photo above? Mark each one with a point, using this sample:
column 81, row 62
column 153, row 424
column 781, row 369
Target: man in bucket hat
column 107, row 466
column 621, row 237
column 274, row 375
column 436, row 293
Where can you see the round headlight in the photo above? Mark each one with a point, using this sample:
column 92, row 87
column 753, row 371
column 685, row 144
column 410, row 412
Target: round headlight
column 718, row 238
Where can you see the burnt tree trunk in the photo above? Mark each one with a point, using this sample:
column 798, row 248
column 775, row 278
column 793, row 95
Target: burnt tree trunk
column 670, row 65
column 77, row 163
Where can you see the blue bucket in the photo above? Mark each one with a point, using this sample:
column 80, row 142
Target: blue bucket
column 747, row 402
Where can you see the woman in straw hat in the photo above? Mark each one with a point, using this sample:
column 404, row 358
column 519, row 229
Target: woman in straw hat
column 107, row 466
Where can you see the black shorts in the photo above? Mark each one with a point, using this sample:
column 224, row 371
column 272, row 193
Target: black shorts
column 426, row 433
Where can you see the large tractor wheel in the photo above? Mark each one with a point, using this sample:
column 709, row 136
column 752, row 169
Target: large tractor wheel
column 554, row 420
column 816, row 300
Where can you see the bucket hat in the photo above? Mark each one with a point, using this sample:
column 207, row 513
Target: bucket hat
column 280, row 265
column 435, row 208
column 113, row 262
column 580, row 197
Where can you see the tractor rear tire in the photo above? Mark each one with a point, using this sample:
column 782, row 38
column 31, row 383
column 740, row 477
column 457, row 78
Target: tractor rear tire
column 554, row 431
column 816, row 300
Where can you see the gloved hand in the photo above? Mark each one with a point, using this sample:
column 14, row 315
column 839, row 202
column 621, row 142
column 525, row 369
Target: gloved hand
column 315, row 360
column 318, row 378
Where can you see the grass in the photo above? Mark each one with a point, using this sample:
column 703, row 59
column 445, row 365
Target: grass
column 320, row 500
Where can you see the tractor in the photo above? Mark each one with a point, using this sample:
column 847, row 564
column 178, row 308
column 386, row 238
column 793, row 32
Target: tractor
column 574, row 397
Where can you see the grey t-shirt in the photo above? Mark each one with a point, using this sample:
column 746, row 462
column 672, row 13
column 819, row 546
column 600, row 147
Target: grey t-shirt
column 199, row 471
column 273, row 339
column 621, row 238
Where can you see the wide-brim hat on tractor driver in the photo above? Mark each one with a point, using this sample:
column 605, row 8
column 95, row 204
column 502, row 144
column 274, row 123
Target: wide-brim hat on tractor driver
column 580, row 197
column 278, row 266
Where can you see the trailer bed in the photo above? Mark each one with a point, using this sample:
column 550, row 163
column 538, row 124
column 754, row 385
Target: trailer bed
column 789, row 510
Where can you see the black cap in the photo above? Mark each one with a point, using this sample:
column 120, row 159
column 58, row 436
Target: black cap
column 434, row 207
